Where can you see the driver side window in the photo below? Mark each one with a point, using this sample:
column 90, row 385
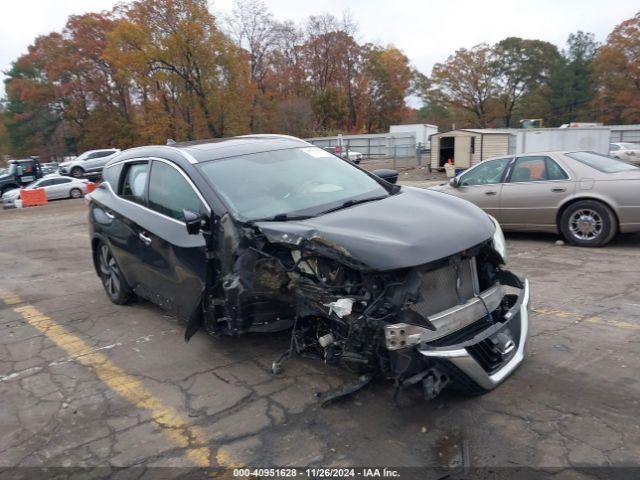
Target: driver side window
column 488, row 172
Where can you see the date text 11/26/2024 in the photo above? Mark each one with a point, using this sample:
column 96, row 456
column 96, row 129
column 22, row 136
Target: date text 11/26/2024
column 316, row 472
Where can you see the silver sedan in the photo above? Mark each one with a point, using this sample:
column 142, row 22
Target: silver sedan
column 55, row 187
column 585, row 196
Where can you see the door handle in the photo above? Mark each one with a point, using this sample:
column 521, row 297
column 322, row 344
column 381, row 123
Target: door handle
column 146, row 240
column 109, row 214
column 491, row 192
column 559, row 189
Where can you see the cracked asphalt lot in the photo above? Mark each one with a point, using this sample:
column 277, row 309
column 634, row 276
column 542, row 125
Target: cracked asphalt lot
column 87, row 383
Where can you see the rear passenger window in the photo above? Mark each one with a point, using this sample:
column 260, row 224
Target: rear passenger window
column 529, row 169
column 554, row 171
column 170, row 192
column 134, row 183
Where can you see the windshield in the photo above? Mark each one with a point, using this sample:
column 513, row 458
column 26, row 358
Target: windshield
column 13, row 168
column 601, row 162
column 294, row 182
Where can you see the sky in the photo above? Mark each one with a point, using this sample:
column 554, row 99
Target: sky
column 428, row 31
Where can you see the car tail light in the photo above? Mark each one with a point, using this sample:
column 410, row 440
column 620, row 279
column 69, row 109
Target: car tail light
column 338, row 149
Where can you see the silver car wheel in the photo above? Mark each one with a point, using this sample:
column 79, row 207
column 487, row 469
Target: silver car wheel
column 109, row 271
column 585, row 224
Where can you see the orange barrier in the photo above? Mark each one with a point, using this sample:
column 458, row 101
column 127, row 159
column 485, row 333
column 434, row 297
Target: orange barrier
column 31, row 198
column 91, row 186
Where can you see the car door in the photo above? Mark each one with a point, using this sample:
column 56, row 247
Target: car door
column 121, row 217
column 174, row 264
column 59, row 188
column 535, row 189
column 45, row 184
column 96, row 161
column 482, row 185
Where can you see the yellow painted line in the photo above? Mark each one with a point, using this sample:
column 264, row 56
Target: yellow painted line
column 596, row 320
column 176, row 428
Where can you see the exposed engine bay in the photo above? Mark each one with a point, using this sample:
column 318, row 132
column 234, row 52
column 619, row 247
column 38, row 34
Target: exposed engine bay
column 402, row 323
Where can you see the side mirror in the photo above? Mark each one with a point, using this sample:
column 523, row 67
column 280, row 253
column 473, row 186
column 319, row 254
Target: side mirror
column 194, row 222
column 454, row 182
column 387, row 174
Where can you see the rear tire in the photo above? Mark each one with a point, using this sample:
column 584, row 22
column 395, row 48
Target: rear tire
column 588, row 223
column 77, row 172
column 75, row 193
column 113, row 282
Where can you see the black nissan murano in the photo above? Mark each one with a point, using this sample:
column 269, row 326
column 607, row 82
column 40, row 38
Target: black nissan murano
column 265, row 233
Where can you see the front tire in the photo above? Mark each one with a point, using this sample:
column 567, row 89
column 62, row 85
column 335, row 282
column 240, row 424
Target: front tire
column 588, row 223
column 113, row 282
column 77, row 172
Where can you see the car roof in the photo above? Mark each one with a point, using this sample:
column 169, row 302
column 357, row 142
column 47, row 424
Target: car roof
column 101, row 150
column 205, row 150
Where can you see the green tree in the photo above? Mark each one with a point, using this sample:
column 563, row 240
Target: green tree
column 32, row 115
column 522, row 67
column 467, row 81
column 571, row 89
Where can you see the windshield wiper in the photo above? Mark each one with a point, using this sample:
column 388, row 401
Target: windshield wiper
column 352, row 202
column 282, row 217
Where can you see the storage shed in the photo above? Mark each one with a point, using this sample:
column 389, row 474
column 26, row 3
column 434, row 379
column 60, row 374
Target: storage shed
column 466, row 147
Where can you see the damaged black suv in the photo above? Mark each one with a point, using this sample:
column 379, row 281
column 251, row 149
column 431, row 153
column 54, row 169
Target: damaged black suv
column 268, row 232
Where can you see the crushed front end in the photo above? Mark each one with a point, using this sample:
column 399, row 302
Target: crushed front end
column 459, row 321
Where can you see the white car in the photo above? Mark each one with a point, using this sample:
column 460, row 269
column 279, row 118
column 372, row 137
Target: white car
column 90, row 162
column 354, row 156
column 628, row 152
column 55, row 187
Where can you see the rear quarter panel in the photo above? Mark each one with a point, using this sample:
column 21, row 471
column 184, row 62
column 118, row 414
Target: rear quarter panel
column 623, row 194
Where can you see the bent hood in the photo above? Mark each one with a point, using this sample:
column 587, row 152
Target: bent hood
column 410, row 228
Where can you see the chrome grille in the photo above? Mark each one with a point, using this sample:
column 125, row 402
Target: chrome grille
column 446, row 287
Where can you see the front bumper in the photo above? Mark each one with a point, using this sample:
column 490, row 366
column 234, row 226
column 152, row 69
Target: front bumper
column 460, row 356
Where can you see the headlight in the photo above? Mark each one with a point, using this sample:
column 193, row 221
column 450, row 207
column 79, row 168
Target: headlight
column 499, row 243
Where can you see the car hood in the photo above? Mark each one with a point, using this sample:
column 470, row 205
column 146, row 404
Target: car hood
column 65, row 164
column 410, row 228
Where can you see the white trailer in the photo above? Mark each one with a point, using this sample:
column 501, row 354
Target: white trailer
column 595, row 139
column 422, row 131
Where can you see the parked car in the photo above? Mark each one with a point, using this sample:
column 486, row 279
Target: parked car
column 266, row 232
column 89, row 163
column 626, row 151
column 50, row 168
column 585, row 196
column 342, row 152
column 55, row 187
column 20, row 173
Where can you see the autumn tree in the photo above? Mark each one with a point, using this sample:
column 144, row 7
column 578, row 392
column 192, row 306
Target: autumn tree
column 33, row 113
column 177, row 46
column 617, row 74
column 387, row 77
column 252, row 27
column 330, row 60
column 467, row 82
